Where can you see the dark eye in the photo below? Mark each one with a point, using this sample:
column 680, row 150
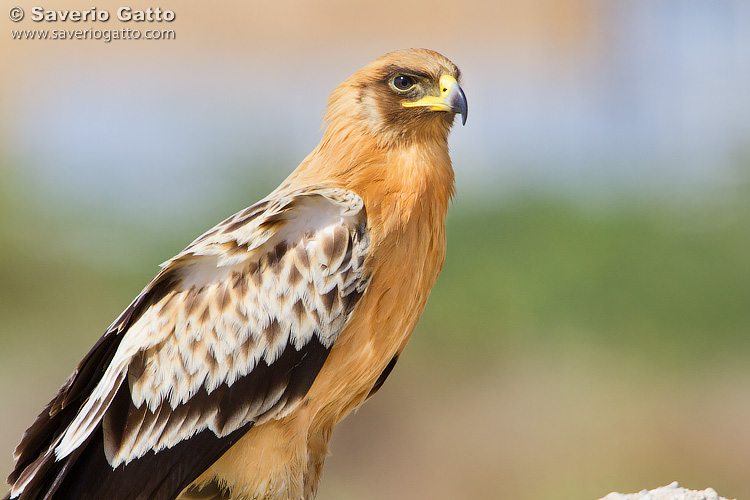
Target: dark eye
column 403, row 82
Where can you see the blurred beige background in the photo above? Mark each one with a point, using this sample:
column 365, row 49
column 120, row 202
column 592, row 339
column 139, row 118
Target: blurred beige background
column 591, row 329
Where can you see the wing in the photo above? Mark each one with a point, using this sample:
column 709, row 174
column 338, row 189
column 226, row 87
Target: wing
column 231, row 333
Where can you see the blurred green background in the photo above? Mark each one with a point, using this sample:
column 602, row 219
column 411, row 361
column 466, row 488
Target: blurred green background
column 591, row 329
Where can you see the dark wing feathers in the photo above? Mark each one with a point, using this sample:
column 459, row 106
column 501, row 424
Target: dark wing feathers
column 155, row 476
column 383, row 376
column 232, row 332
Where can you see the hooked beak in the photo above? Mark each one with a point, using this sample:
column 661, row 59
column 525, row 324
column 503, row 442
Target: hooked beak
column 451, row 99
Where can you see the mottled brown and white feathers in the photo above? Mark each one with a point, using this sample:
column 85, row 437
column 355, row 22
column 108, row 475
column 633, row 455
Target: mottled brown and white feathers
column 225, row 376
column 280, row 275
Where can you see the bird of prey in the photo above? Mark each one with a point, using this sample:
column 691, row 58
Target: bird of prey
column 225, row 377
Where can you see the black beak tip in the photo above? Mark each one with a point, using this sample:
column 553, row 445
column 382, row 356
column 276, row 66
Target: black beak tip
column 462, row 106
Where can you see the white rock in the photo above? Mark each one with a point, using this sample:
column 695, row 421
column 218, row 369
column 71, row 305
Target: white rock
column 671, row 491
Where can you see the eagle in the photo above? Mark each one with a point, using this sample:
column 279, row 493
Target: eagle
column 225, row 377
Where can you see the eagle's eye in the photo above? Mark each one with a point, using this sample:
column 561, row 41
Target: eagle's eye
column 402, row 83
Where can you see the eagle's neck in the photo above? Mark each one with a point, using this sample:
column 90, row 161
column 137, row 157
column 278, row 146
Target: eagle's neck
column 400, row 183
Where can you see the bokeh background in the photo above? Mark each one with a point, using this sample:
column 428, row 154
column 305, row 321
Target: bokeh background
column 591, row 329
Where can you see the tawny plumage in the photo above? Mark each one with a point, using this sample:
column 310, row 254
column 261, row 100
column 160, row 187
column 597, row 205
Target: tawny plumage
column 225, row 377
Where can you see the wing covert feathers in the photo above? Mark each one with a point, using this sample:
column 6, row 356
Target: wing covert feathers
column 231, row 332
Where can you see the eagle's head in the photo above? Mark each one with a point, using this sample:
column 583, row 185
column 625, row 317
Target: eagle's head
column 402, row 95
